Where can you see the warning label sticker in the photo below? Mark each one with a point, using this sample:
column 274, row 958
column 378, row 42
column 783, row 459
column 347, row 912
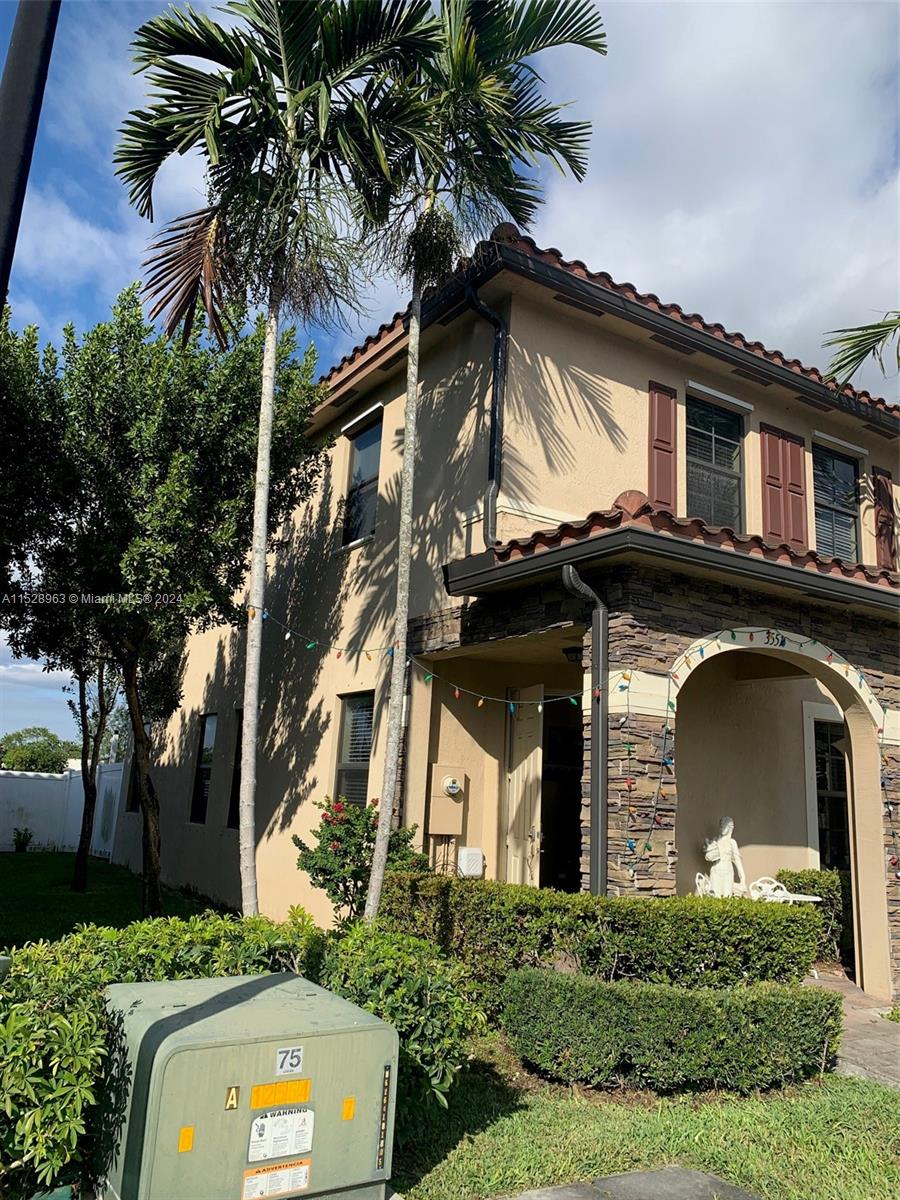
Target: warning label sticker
column 263, row 1183
column 280, row 1132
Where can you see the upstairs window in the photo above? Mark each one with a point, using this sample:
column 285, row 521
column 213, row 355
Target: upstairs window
column 200, row 797
column 714, row 464
column 836, row 495
column 352, row 782
column 362, row 493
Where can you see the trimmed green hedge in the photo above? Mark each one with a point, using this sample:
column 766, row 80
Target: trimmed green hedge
column 836, row 909
column 582, row 1030
column 408, row 983
column 493, row 928
column 53, row 1027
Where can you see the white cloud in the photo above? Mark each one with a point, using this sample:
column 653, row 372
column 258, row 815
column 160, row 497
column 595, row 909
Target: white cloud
column 742, row 164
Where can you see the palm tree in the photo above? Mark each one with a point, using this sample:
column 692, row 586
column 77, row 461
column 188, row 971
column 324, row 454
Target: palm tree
column 494, row 125
column 861, row 342
column 295, row 110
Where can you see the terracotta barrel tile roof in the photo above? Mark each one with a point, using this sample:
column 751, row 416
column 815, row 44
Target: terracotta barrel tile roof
column 553, row 257
column 508, row 235
column 634, row 508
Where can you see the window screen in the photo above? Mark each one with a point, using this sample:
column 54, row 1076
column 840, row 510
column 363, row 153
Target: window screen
column 235, row 797
column 835, row 490
column 352, row 781
column 200, row 798
column 713, row 464
column 831, row 794
column 362, row 494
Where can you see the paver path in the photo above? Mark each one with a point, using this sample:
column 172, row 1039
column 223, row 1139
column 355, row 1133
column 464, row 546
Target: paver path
column 671, row 1183
column 870, row 1047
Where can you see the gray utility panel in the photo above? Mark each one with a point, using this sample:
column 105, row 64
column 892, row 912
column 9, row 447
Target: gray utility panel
column 258, row 1087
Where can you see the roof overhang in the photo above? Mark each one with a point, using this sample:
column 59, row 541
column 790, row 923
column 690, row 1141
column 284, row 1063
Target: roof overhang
column 382, row 351
column 586, row 293
column 481, row 574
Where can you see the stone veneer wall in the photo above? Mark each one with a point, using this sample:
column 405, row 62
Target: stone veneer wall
column 653, row 617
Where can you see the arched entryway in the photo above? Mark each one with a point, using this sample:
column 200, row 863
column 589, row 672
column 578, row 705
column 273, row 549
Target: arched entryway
column 751, row 706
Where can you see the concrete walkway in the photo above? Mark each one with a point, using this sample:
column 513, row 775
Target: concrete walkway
column 671, row 1183
column 870, row 1048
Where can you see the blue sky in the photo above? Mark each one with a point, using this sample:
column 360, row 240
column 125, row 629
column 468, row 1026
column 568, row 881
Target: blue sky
column 744, row 164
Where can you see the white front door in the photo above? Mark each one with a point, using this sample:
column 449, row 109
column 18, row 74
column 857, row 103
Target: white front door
column 523, row 786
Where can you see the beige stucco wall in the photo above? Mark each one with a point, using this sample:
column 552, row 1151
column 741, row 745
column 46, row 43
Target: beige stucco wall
column 739, row 752
column 577, row 421
column 575, row 437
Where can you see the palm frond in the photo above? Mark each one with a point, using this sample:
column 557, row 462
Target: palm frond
column 543, row 24
column 186, row 32
column 860, row 342
column 184, row 270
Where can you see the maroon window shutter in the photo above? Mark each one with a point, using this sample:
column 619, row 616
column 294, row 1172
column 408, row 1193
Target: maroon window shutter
column 784, row 487
column 793, row 451
column 662, row 446
column 883, row 495
column 772, row 485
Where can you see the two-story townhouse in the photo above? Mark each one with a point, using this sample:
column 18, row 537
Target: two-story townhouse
column 654, row 584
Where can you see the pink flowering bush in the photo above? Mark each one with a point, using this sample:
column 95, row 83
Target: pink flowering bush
column 340, row 859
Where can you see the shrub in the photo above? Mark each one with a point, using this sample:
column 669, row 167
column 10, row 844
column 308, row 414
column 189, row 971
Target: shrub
column 341, row 860
column 53, row 1025
column 835, row 910
column 408, row 983
column 22, row 838
column 583, row 1030
column 493, row 928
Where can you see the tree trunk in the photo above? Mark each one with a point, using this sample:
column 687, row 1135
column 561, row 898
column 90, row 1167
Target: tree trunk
column 89, row 788
column 90, row 758
column 247, row 803
column 401, row 611
column 152, row 896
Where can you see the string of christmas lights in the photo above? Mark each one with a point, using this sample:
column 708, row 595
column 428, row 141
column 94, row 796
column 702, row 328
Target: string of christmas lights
column 619, row 681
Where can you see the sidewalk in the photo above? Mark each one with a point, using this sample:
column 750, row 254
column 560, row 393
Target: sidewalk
column 870, row 1047
column 671, row 1183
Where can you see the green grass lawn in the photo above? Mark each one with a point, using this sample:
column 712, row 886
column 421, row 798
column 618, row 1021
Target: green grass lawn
column 506, row 1132
column 36, row 900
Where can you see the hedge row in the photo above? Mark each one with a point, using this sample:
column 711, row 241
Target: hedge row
column 583, row 1030
column 53, row 1027
column 836, row 909
column 493, row 928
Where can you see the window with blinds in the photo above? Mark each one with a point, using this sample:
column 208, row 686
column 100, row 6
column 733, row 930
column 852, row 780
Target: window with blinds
column 836, row 496
column 352, row 782
column 713, row 464
column 362, row 494
column 200, row 797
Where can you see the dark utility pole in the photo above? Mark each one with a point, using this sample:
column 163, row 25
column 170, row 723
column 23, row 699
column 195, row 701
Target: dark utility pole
column 21, row 95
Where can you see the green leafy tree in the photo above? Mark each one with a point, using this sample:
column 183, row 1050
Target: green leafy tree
column 495, row 126
column 162, row 439
column 29, row 398
column 341, row 858
column 36, row 748
column 856, row 344
column 290, row 108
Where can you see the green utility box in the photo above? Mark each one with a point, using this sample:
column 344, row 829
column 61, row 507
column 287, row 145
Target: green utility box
column 258, row 1087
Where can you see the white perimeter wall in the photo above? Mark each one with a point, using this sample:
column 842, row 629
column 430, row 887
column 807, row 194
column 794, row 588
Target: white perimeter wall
column 51, row 806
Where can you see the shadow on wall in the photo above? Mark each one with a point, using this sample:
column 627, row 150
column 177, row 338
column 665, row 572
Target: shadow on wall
column 304, row 567
column 584, row 404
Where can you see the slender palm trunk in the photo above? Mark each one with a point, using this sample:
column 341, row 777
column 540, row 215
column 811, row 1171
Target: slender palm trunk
column 152, row 895
column 401, row 611
column 247, row 807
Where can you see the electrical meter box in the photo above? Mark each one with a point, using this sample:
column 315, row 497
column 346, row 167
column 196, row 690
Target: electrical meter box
column 260, row 1087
